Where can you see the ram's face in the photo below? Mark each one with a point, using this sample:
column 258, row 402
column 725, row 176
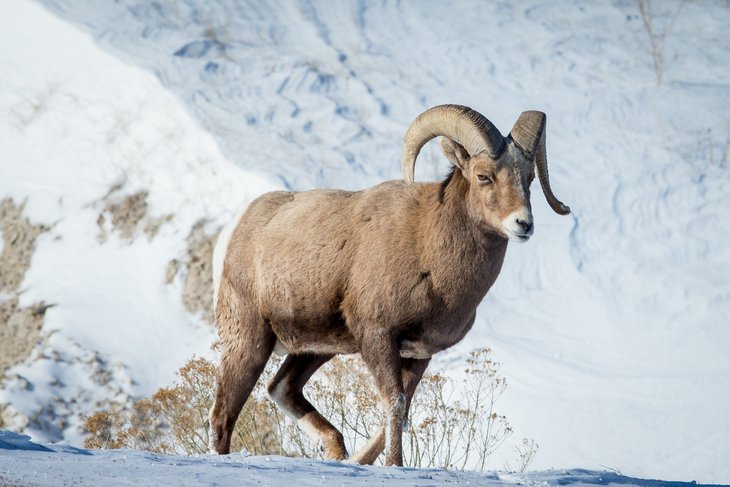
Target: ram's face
column 499, row 192
column 499, row 169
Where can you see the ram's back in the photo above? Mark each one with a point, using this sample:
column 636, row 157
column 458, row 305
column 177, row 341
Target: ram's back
column 293, row 254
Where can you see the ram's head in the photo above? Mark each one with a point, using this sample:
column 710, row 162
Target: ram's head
column 497, row 169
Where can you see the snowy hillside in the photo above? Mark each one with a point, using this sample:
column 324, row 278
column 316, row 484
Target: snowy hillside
column 117, row 171
column 610, row 324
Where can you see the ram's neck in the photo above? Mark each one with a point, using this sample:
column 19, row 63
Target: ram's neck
column 460, row 253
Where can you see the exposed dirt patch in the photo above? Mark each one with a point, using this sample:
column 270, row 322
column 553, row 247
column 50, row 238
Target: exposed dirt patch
column 6, row 417
column 20, row 328
column 198, row 268
column 152, row 226
column 127, row 215
column 19, row 236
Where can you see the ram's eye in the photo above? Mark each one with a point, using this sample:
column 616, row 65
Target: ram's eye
column 484, row 178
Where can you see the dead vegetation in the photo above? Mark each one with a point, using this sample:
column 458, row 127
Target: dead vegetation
column 453, row 425
column 174, row 419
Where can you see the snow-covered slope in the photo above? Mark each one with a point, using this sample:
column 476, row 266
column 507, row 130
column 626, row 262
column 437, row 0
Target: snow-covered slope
column 81, row 131
column 611, row 324
column 23, row 462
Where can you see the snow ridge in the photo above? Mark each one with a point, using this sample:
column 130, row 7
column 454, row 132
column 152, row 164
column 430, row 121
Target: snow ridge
column 53, row 465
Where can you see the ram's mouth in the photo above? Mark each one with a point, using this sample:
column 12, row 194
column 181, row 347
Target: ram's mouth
column 518, row 237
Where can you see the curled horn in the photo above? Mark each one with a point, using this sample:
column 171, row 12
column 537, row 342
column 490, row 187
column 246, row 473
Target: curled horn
column 529, row 135
column 459, row 123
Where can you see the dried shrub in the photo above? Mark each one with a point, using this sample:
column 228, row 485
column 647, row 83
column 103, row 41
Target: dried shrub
column 139, row 429
column 175, row 419
column 103, row 429
column 185, row 406
column 454, row 423
column 526, row 452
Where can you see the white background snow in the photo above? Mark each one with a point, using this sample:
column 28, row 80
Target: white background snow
column 611, row 324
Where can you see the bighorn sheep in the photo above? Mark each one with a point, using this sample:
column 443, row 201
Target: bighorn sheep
column 394, row 272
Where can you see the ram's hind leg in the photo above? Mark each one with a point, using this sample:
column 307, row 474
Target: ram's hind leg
column 286, row 390
column 247, row 342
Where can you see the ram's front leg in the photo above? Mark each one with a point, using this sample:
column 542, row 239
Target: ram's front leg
column 382, row 357
column 412, row 370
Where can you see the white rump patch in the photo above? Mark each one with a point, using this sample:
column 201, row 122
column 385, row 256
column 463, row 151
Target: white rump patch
column 219, row 254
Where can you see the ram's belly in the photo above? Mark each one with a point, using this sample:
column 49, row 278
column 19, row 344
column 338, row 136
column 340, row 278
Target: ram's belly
column 310, row 324
column 298, row 338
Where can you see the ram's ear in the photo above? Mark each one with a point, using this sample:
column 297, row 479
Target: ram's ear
column 455, row 152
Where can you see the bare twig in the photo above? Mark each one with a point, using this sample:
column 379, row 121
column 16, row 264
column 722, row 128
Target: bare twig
column 657, row 40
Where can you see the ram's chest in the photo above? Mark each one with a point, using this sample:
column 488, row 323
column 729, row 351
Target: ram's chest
column 439, row 319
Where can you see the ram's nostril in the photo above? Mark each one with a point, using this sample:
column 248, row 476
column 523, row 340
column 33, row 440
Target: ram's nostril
column 526, row 225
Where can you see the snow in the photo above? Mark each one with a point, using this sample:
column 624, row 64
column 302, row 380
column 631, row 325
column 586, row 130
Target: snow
column 22, row 460
column 610, row 324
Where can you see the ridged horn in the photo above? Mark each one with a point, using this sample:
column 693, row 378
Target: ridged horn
column 529, row 135
column 459, row 123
